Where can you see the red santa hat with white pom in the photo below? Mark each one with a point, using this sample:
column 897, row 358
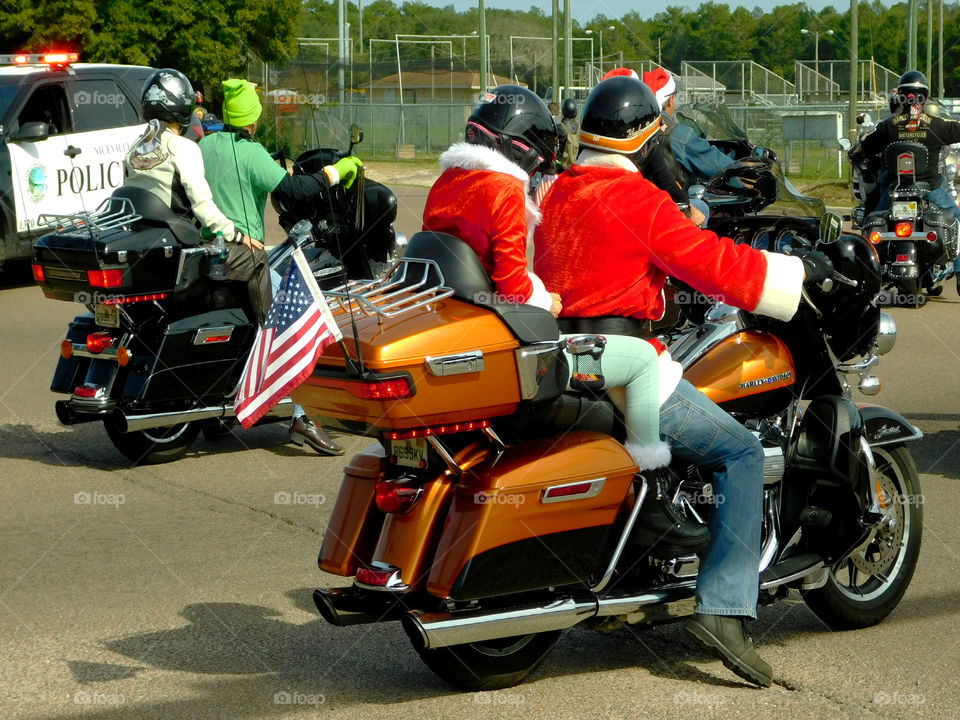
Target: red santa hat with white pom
column 662, row 84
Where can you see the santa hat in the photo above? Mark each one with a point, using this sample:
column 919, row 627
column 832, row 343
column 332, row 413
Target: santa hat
column 662, row 84
column 617, row 72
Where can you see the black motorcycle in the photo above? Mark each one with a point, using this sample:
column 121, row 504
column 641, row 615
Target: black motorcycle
column 915, row 239
column 159, row 354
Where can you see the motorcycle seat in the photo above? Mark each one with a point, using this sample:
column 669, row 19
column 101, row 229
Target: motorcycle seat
column 463, row 272
column 156, row 213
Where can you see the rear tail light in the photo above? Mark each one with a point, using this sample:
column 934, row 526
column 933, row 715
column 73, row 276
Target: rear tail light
column 875, row 237
column 128, row 299
column 375, row 577
column 98, row 342
column 386, row 389
column 903, row 258
column 903, row 229
column 38, row 273
column 396, row 497
column 439, row 430
column 105, row 278
column 931, row 236
column 86, row 391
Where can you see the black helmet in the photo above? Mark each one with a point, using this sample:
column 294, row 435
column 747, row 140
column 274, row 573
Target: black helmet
column 516, row 123
column 913, row 89
column 168, row 96
column 569, row 110
column 621, row 115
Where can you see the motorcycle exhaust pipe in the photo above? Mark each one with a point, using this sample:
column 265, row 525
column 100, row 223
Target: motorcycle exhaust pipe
column 147, row 421
column 441, row 629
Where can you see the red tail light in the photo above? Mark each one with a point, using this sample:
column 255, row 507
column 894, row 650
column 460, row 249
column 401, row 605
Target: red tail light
column 389, row 389
column 377, row 578
column 98, row 342
column 439, row 430
column 38, row 273
column 105, row 278
column 395, row 497
column 87, row 392
column 128, row 299
column 931, row 236
column 903, row 229
column 902, row 259
column 875, row 237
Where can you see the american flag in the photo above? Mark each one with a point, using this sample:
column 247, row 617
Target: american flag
column 546, row 181
column 298, row 327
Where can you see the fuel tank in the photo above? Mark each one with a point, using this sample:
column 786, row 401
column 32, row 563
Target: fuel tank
column 749, row 373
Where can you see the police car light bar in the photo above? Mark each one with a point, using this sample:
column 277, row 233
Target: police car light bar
column 57, row 58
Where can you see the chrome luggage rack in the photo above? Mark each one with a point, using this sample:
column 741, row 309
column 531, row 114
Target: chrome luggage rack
column 401, row 289
column 111, row 214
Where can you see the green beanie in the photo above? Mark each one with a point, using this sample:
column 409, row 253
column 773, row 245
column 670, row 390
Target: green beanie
column 241, row 106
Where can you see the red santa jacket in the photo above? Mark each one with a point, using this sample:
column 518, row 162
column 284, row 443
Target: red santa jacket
column 609, row 238
column 481, row 198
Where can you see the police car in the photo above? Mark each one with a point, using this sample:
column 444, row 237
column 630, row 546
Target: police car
column 64, row 130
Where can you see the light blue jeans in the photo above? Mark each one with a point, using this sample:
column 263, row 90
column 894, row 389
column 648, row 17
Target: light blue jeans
column 275, row 280
column 701, row 433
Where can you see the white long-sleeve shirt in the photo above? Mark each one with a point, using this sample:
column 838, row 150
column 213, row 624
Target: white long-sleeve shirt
column 171, row 167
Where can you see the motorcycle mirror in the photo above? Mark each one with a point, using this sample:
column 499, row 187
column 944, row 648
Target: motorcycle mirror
column 830, row 228
column 356, row 134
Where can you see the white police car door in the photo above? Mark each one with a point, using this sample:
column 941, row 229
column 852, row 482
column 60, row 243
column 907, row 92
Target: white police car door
column 100, row 122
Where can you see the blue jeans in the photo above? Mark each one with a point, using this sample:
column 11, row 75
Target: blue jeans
column 701, row 433
column 275, row 280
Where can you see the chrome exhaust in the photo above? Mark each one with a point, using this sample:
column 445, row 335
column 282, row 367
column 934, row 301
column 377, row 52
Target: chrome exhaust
column 443, row 629
column 146, row 421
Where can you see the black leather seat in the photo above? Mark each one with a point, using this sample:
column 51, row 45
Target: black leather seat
column 462, row 271
column 156, row 213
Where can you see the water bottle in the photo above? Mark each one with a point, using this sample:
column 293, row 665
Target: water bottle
column 218, row 258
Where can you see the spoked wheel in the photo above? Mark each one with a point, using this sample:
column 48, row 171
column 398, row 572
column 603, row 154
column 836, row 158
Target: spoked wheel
column 863, row 589
column 491, row 664
column 154, row 446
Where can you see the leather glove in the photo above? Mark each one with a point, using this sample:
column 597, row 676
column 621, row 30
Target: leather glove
column 347, row 169
column 816, row 266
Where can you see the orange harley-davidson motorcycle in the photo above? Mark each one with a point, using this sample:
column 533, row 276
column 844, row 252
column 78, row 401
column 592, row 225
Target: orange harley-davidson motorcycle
column 496, row 510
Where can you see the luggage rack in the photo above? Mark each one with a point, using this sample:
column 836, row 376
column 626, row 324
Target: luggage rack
column 408, row 285
column 111, row 214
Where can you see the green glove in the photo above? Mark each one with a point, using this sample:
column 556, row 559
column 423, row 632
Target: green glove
column 347, row 169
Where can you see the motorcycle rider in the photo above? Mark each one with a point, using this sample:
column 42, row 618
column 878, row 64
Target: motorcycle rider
column 481, row 197
column 571, row 128
column 608, row 240
column 242, row 173
column 910, row 121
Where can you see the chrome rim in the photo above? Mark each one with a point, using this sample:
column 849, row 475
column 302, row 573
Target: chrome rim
column 503, row 646
column 869, row 571
column 166, row 435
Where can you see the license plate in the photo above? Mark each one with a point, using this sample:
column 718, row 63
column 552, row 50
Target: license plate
column 107, row 315
column 905, row 209
column 410, row 453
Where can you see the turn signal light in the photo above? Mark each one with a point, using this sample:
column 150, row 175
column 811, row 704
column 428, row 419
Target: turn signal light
column 98, row 342
column 439, row 430
column 123, row 356
column 392, row 389
column 931, row 236
column 105, row 278
column 903, row 229
column 66, row 349
column 875, row 237
column 398, row 498
column 38, row 273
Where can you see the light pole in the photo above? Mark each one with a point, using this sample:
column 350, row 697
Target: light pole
column 590, row 32
column 816, row 51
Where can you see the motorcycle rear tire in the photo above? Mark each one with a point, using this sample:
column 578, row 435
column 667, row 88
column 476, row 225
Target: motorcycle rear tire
column 492, row 664
column 154, row 446
column 866, row 604
column 912, row 293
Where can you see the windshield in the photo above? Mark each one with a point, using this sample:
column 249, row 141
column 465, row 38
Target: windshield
column 8, row 89
column 713, row 122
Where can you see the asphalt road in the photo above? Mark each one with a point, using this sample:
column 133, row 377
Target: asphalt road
column 183, row 590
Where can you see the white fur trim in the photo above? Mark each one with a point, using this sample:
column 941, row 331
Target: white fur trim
column 539, row 297
column 468, row 156
column 333, row 176
column 649, row 457
column 666, row 91
column 595, row 158
column 781, row 286
column 533, row 219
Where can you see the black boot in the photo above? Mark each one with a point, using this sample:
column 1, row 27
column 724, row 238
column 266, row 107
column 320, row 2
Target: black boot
column 661, row 525
column 726, row 637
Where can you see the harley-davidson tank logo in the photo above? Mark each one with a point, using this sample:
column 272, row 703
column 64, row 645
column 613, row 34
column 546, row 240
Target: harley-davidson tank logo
column 767, row 380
